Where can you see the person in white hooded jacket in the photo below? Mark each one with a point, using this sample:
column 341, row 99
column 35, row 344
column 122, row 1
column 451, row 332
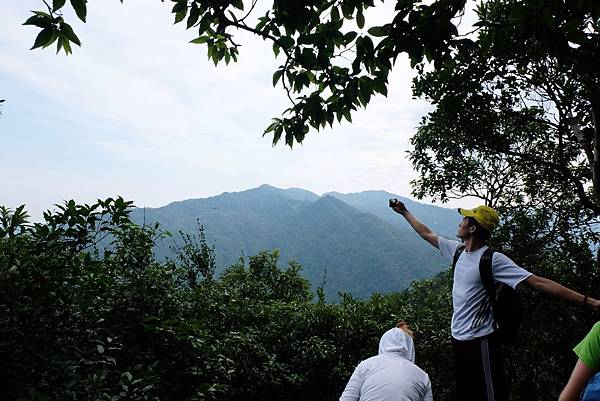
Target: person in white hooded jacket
column 392, row 375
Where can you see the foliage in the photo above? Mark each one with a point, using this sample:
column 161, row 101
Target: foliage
column 81, row 325
column 333, row 62
column 517, row 124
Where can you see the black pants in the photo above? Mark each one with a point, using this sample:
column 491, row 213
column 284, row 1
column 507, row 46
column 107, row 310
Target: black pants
column 479, row 370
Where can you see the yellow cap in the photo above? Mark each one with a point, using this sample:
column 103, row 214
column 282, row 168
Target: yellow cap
column 484, row 215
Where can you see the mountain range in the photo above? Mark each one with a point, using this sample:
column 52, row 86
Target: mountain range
column 351, row 243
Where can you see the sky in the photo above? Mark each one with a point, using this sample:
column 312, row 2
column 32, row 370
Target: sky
column 139, row 112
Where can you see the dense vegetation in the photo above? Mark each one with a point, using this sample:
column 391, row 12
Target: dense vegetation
column 79, row 325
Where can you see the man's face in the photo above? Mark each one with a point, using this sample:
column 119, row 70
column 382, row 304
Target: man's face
column 465, row 230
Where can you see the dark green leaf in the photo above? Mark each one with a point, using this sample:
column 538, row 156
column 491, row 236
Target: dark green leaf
column 66, row 45
column 276, row 76
column 194, row 16
column 80, row 7
column 286, row 42
column 43, row 37
column 41, row 21
column 239, row 4
column 55, row 35
column 179, row 6
column 200, row 40
column 335, row 14
column 349, row 37
column 56, row 4
column 347, row 115
column 360, row 19
column 180, row 16
column 67, row 31
column 380, row 31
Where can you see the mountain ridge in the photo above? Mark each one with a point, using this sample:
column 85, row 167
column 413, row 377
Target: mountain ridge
column 352, row 236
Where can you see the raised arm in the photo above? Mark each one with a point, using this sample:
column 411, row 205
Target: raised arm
column 421, row 229
column 560, row 291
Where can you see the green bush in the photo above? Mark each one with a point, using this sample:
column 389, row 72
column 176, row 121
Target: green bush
column 82, row 323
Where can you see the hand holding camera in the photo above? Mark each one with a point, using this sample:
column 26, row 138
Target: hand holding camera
column 397, row 206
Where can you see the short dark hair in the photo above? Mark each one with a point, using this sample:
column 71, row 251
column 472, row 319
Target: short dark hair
column 480, row 232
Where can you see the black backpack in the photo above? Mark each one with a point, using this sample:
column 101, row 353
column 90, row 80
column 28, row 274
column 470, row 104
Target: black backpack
column 506, row 305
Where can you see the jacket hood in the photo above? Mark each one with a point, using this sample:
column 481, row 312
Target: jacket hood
column 396, row 342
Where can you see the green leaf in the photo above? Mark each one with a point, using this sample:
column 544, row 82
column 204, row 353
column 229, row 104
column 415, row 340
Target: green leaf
column 43, row 37
column 66, row 45
column 239, row 4
column 194, row 16
column 80, row 8
column 380, row 31
column 347, row 115
column 349, row 37
column 276, row 76
column 335, row 14
column 180, row 16
column 200, row 40
column 56, row 4
column 41, row 21
column 286, row 42
column 360, row 19
column 67, row 31
column 42, row 13
column 55, row 35
column 179, row 6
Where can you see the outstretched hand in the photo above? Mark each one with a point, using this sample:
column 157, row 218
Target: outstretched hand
column 594, row 304
column 398, row 206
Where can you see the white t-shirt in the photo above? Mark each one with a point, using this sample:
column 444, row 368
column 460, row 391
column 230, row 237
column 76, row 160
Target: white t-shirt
column 387, row 378
column 472, row 316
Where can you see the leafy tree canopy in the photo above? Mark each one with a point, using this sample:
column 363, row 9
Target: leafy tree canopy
column 333, row 61
column 517, row 114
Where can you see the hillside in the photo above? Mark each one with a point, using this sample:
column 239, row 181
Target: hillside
column 362, row 245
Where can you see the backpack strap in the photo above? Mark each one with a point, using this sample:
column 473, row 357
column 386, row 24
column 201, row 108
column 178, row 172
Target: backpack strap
column 457, row 253
column 485, row 272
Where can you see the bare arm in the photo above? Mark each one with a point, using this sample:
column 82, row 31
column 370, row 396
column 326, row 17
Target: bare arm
column 578, row 380
column 421, row 229
column 560, row 291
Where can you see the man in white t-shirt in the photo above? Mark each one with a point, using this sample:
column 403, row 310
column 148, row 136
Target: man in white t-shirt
column 392, row 375
column 477, row 351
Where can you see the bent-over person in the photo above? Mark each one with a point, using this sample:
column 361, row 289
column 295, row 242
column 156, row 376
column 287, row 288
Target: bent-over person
column 392, row 374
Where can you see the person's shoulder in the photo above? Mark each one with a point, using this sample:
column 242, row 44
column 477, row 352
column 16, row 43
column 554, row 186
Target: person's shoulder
column 450, row 243
column 595, row 329
column 500, row 258
column 366, row 363
column 417, row 371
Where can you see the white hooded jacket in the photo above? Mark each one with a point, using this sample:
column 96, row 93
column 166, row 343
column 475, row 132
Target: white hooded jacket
column 391, row 375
